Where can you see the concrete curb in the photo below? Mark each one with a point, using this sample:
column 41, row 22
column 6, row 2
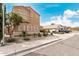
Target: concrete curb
column 32, row 48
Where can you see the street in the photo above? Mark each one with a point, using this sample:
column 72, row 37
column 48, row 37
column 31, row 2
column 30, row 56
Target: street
column 68, row 47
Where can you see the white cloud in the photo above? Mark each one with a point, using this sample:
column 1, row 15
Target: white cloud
column 64, row 20
column 69, row 13
column 46, row 23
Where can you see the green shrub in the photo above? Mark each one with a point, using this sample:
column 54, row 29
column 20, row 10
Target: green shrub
column 45, row 34
column 52, row 33
column 11, row 40
column 26, row 39
column 29, row 34
column 23, row 33
column 39, row 35
column 34, row 34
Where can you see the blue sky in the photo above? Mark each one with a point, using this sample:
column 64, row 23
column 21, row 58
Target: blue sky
column 53, row 12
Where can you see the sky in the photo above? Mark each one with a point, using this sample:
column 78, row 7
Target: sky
column 66, row 14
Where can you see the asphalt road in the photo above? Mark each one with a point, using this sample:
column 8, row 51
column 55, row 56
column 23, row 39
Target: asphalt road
column 68, row 47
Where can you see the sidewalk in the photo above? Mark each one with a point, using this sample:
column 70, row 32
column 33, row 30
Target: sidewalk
column 20, row 47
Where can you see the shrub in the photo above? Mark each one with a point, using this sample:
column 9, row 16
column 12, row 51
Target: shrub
column 39, row 35
column 52, row 33
column 26, row 39
column 11, row 40
column 29, row 34
column 45, row 33
column 23, row 33
column 34, row 34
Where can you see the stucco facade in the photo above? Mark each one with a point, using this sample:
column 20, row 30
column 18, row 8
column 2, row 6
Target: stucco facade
column 55, row 27
column 31, row 19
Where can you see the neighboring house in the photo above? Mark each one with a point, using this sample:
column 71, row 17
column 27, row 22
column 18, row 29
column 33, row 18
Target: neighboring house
column 54, row 27
column 31, row 19
column 41, row 28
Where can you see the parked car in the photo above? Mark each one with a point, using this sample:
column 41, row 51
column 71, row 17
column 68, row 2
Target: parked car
column 67, row 31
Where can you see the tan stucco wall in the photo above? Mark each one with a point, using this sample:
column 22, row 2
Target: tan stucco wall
column 30, row 16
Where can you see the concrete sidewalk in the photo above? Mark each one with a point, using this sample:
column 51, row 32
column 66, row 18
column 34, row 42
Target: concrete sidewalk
column 20, row 47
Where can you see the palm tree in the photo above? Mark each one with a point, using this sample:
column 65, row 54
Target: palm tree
column 14, row 20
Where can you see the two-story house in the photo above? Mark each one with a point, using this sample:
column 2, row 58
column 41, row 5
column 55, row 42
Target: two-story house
column 31, row 19
column 54, row 27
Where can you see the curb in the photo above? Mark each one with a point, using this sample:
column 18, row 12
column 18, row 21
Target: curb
column 12, row 54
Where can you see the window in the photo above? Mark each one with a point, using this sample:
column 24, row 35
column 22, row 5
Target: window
column 27, row 27
column 37, row 28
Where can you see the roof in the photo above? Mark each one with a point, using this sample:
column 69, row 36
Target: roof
column 52, row 26
column 27, row 7
column 33, row 10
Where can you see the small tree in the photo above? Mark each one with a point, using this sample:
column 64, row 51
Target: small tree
column 14, row 20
